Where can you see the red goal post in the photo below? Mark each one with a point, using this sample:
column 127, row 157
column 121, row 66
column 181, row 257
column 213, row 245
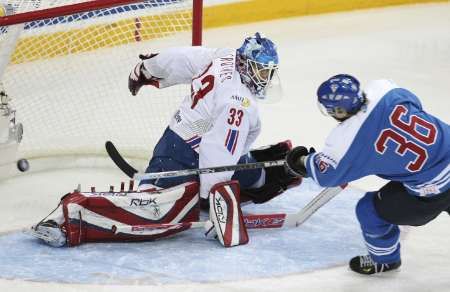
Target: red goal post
column 65, row 63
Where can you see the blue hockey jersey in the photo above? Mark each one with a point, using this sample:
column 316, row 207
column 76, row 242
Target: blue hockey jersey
column 393, row 138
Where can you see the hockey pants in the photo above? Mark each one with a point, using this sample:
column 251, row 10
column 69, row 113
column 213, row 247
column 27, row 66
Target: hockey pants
column 173, row 153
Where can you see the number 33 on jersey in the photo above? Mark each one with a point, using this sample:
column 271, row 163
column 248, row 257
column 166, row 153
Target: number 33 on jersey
column 220, row 118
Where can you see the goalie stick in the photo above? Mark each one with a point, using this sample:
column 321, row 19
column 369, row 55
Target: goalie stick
column 254, row 221
column 133, row 173
column 251, row 221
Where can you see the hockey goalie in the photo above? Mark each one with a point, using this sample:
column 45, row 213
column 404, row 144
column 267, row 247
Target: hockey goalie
column 216, row 125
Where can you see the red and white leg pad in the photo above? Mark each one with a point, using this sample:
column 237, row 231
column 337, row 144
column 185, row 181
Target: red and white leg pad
column 116, row 216
column 226, row 215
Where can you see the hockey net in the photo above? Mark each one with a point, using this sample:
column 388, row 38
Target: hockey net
column 65, row 63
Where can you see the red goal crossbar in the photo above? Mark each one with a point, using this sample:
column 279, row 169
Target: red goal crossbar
column 197, row 11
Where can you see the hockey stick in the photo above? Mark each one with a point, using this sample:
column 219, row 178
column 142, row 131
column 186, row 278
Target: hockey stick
column 133, row 173
column 121, row 163
column 255, row 221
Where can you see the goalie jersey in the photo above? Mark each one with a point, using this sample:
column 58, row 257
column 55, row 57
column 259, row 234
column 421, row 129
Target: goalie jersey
column 219, row 120
column 392, row 138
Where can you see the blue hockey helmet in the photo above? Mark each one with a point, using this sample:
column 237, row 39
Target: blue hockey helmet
column 340, row 96
column 257, row 63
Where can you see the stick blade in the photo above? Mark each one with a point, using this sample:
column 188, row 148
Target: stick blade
column 119, row 160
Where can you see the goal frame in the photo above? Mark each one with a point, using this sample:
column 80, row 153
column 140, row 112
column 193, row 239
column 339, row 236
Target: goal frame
column 15, row 24
column 197, row 14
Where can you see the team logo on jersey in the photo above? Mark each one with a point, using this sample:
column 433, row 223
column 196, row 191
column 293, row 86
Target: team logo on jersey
column 321, row 164
column 231, row 140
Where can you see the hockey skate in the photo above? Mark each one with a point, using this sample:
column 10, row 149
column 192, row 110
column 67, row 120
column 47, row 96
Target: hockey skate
column 50, row 232
column 366, row 266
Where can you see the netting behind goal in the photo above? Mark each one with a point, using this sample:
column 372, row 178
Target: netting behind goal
column 67, row 75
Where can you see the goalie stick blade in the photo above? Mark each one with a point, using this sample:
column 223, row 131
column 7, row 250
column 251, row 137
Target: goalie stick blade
column 119, row 160
column 283, row 220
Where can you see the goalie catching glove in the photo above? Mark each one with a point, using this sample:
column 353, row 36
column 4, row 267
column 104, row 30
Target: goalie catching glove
column 139, row 76
column 277, row 179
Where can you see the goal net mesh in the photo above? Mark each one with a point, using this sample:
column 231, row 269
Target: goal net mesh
column 67, row 77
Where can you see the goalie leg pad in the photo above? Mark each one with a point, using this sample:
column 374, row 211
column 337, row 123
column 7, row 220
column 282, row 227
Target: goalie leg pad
column 119, row 216
column 226, row 215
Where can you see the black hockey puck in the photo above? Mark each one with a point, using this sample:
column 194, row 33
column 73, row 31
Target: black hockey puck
column 23, row 165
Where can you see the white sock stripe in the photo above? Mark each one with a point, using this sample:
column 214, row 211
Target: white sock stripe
column 379, row 251
column 382, row 248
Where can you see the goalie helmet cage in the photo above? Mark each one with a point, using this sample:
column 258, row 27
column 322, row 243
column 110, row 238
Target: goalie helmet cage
column 66, row 63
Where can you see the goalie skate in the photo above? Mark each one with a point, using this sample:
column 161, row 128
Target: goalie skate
column 49, row 232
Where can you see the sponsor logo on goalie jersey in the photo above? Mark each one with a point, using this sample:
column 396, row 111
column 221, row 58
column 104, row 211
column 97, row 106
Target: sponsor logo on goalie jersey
column 245, row 101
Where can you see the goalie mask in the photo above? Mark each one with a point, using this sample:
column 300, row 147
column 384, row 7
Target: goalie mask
column 257, row 63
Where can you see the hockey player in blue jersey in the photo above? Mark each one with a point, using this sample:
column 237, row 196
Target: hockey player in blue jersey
column 382, row 131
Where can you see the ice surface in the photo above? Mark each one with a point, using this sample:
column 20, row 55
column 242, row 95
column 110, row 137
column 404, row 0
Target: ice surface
column 409, row 44
column 188, row 257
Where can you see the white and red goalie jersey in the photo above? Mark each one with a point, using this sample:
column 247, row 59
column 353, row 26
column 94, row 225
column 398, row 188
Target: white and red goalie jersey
column 220, row 118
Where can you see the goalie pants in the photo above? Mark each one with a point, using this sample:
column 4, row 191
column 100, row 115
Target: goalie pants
column 173, row 153
column 380, row 214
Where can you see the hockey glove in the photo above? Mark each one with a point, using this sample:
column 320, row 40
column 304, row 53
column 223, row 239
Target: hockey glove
column 139, row 76
column 277, row 179
column 295, row 160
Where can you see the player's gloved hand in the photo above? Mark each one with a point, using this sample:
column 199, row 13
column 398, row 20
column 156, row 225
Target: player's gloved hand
column 294, row 160
column 139, row 76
